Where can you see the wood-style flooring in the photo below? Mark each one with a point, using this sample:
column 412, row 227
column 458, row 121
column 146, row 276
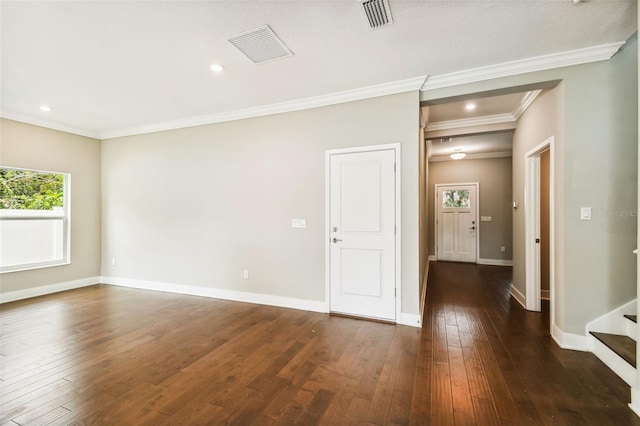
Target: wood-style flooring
column 106, row 355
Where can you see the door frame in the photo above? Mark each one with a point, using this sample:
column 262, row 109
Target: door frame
column 436, row 209
column 398, row 219
column 532, row 226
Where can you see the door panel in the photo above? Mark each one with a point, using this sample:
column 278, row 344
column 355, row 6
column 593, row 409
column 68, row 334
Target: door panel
column 456, row 222
column 362, row 220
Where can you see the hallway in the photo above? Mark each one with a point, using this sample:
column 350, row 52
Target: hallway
column 484, row 359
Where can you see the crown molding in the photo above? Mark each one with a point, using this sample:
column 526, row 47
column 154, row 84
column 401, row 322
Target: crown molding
column 479, row 156
column 10, row 115
column 524, row 103
column 538, row 63
column 469, row 122
column 368, row 92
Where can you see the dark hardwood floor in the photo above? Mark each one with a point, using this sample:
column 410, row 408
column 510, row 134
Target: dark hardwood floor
column 108, row 355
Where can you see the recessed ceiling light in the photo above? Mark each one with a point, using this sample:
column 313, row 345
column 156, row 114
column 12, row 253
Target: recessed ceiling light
column 217, row 68
column 45, row 108
column 470, row 106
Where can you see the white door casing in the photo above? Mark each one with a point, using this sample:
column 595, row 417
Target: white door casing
column 532, row 228
column 457, row 222
column 361, row 236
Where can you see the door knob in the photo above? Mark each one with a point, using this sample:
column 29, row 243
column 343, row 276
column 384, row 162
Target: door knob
column 335, row 240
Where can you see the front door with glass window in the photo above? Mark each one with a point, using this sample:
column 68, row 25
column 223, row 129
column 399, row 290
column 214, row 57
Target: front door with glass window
column 456, row 222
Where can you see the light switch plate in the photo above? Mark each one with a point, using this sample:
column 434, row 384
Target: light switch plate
column 298, row 223
column 585, row 213
column 485, row 218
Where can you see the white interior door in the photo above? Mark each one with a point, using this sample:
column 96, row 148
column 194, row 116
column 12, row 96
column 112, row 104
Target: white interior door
column 456, row 222
column 362, row 197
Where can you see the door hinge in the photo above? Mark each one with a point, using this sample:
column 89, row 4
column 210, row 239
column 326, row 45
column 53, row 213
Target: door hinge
column 537, row 240
column 395, row 229
column 395, row 292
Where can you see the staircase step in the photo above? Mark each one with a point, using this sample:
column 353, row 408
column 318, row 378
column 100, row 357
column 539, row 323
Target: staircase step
column 633, row 318
column 624, row 346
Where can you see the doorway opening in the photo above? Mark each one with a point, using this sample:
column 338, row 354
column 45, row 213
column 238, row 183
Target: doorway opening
column 539, row 226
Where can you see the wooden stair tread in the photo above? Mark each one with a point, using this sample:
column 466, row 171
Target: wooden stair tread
column 633, row 318
column 624, row 346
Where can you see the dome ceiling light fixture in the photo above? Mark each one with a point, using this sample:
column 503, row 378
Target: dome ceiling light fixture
column 458, row 154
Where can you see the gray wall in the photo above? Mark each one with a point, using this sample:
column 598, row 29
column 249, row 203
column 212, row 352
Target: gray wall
column 542, row 120
column 197, row 206
column 33, row 147
column 494, row 177
column 595, row 165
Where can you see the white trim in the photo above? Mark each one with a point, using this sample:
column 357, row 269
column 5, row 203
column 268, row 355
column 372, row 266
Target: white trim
column 622, row 368
column 217, row 293
column 518, row 296
column 437, row 213
column 571, row 341
column 532, row 224
column 635, row 399
column 10, row 115
column 495, row 262
column 523, row 66
column 423, row 294
column 412, row 320
column 544, row 294
column 614, row 322
column 28, row 293
column 525, row 103
column 398, row 217
column 480, row 156
column 470, row 122
column 432, row 258
column 368, row 92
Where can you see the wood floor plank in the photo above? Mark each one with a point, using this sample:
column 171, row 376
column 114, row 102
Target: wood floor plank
column 128, row 356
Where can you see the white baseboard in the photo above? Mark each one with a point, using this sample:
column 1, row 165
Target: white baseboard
column 495, row 262
column 432, row 258
column 28, row 293
column 571, row 341
column 614, row 322
column 635, row 400
column 622, row 368
column 544, row 294
column 216, row 293
column 412, row 320
column 518, row 296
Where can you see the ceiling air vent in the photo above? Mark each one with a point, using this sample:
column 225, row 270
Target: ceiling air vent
column 260, row 45
column 377, row 13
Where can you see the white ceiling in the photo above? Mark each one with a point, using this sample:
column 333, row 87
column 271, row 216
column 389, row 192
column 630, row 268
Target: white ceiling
column 476, row 146
column 489, row 109
column 109, row 65
column 494, row 105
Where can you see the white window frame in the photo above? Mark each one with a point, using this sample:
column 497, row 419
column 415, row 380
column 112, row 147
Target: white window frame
column 64, row 213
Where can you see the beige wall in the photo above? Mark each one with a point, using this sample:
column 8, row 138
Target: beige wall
column 595, row 165
column 541, row 121
column 32, row 147
column 494, row 177
column 197, row 206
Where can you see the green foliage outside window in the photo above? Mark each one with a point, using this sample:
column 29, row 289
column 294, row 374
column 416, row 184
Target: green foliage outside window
column 456, row 199
column 28, row 190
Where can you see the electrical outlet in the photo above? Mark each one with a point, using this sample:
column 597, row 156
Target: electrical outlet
column 245, row 273
column 113, row 261
column 503, row 249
